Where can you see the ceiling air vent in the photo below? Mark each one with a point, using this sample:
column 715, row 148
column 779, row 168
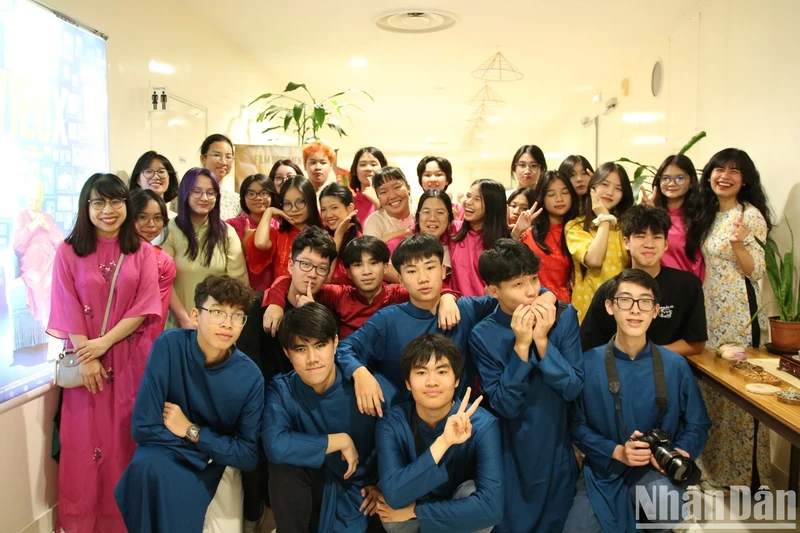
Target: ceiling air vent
column 415, row 21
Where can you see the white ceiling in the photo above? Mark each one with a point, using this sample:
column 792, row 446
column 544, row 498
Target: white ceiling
column 421, row 83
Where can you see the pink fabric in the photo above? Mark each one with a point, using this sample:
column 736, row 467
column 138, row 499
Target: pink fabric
column 166, row 275
column 675, row 256
column 364, row 207
column 96, row 444
column 259, row 281
column 36, row 251
column 464, row 259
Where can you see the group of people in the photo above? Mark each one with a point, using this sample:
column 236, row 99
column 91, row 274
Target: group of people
column 359, row 361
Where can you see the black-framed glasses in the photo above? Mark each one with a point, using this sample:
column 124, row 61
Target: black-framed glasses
column 680, row 179
column 252, row 195
column 626, row 303
column 299, row 204
column 199, row 193
column 98, row 204
column 145, row 220
column 161, row 173
column 278, row 179
column 219, row 317
column 305, row 266
column 531, row 166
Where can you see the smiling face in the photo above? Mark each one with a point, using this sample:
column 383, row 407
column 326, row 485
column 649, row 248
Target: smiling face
column 580, row 178
column 393, row 196
column 527, row 170
column 433, row 177
column 516, row 205
column 155, row 177
column 632, row 322
column 646, row 248
column 318, row 166
column 521, row 290
column 150, row 222
column 433, row 217
column 557, row 200
column 367, row 274
column 202, row 197
column 434, row 384
column 333, row 211
column 313, row 360
column 218, row 159
column 108, row 219
column 367, row 166
column 474, row 209
column 257, row 199
column 726, row 182
column 610, row 190
column 212, row 335
column 674, row 182
column 423, row 279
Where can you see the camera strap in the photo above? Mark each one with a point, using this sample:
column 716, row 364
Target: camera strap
column 614, row 385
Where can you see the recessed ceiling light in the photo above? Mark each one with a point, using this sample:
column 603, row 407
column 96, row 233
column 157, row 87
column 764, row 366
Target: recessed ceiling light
column 480, row 136
column 358, row 62
column 495, row 117
column 484, row 156
column 430, row 139
column 596, row 98
column 160, row 68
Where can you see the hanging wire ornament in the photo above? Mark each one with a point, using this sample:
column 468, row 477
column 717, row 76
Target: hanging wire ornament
column 497, row 68
column 486, row 96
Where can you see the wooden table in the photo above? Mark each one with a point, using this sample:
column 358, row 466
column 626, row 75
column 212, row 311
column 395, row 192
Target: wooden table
column 783, row 419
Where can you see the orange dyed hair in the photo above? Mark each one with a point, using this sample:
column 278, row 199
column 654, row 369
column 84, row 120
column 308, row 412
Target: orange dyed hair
column 315, row 147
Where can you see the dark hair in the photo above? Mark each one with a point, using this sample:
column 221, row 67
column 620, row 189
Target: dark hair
column 144, row 162
column 495, row 221
column 602, row 173
column 541, row 226
column 345, row 196
column 444, row 166
column 139, row 200
column 505, row 260
column 689, row 205
column 83, row 237
column 387, row 174
column 355, row 184
column 366, row 244
column 217, row 234
column 284, row 163
column 527, row 192
column 707, row 204
column 633, row 275
column 262, row 180
column 415, row 248
column 225, row 290
column 568, row 165
column 640, row 218
column 441, row 195
column 532, row 150
column 309, row 194
column 211, row 139
column 419, row 351
column 317, row 239
column 312, row 321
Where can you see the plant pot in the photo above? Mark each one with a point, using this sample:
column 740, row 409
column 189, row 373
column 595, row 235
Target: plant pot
column 784, row 335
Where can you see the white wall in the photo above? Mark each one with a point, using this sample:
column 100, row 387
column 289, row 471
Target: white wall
column 208, row 72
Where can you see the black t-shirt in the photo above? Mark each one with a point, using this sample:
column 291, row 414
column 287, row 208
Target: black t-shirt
column 682, row 314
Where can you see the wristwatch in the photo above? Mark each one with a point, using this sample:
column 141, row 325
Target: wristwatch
column 193, row 433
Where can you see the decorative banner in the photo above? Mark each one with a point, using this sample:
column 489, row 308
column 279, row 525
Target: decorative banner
column 258, row 159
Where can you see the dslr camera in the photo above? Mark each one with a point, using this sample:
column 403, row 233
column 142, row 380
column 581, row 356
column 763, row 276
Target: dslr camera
column 679, row 469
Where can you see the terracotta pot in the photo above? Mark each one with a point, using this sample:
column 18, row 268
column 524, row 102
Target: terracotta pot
column 784, row 335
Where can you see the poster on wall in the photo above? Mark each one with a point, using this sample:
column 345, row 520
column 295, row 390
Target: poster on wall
column 258, row 159
column 54, row 120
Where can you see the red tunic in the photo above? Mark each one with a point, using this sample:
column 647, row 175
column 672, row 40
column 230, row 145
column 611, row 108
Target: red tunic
column 556, row 270
column 276, row 258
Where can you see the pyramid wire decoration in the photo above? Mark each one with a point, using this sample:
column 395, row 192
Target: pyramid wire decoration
column 486, row 96
column 497, row 68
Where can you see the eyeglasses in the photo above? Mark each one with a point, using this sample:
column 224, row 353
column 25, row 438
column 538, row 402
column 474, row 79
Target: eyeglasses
column 299, row 204
column 438, row 213
column 219, row 317
column 626, row 304
column 281, row 179
column 162, row 173
column 99, row 204
column 531, row 167
column 145, row 220
column 305, row 266
column 198, row 193
column 219, row 157
column 252, row 195
column 677, row 180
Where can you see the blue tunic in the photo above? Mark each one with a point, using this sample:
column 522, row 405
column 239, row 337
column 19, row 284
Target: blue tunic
column 297, row 422
column 532, row 401
column 406, row 478
column 170, row 481
column 594, row 427
column 380, row 342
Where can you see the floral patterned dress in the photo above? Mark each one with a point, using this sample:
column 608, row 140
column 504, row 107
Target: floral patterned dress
column 727, row 459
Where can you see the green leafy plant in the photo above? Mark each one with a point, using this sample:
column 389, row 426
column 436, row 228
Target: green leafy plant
column 305, row 118
column 643, row 172
column 780, row 271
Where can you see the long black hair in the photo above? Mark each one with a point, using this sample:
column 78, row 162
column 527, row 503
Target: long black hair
column 690, row 205
column 532, row 150
column 217, row 234
column 143, row 163
column 355, row 183
column 309, row 194
column 627, row 192
column 345, row 196
column 83, row 237
column 707, row 204
column 495, row 221
column 541, row 226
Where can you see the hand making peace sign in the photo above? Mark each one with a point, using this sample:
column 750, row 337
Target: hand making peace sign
column 458, row 428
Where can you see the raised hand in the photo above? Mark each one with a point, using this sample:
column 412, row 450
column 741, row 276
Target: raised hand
column 598, row 207
column 272, row 319
column 247, row 230
column 343, row 227
column 449, row 314
column 307, row 298
column 649, row 200
column 522, row 323
column 739, row 232
column 368, row 392
column 544, row 313
column 525, row 220
column 458, row 428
